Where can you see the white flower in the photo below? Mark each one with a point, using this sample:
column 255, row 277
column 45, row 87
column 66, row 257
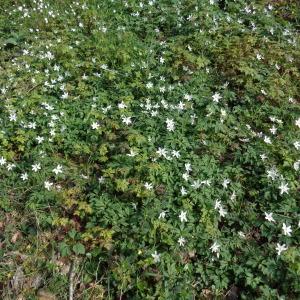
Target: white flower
column 297, row 165
column 162, row 152
column 196, row 184
column 193, row 117
column 162, row 215
column 170, row 125
column 148, row 186
column 182, row 216
column 215, row 248
column 101, row 179
column 132, row 153
column 175, row 154
column 286, row 229
column 297, row 122
column 258, row 56
column 284, row 188
column 126, row 120
column 217, row 204
column 267, row 140
column 12, row 116
column 2, row 161
column 297, row 145
column 156, row 256
column 273, row 129
column 225, row 183
column 181, row 241
column 223, row 113
column 65, row 95
column 95, row 125
column 52, row 133
column 206, row 182
column 269, row 217
column 162, row 89
column 233, row 196
column 122, row 105
column 222, row 212
column 263, row 156
column 241, row 234
column 57, row 170
column 36, row 167
column 180, row 106
column 272, row 173
column 188, row 97
column 186, row 176
column 183, row 191
column 149, row 85
column 280, row 248
column 188, row 167
column 216, row 97
column 24, row 176
column 39, row 139
column 56, row 67
column 48, row 185
column 10, row 167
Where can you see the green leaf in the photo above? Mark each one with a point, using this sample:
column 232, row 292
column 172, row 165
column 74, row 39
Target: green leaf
column 79, row 248
column 64, row 249
column 72, row 233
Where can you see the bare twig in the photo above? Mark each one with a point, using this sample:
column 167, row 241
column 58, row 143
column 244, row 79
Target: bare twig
column 16, row 253
column 35, row 86
column 71, row 280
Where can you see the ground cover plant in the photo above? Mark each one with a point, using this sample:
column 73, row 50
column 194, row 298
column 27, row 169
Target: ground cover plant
column 149, row 149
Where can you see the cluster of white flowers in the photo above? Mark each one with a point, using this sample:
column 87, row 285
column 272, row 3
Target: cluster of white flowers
column 167, row 112
column 219, row 207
